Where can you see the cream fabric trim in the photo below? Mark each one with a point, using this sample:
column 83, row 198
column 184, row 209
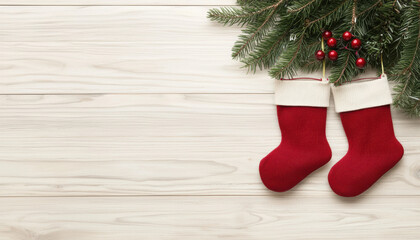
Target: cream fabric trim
column 302, row 93
column 360, row 95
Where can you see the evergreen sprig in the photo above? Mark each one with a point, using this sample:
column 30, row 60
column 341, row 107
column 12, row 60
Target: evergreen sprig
column 407, row 70
column 283, row 35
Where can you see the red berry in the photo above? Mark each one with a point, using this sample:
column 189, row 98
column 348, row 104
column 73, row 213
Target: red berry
column 332, row 42
column 360, row 62
column 320, row 55
column 347, row 36
column 333, row 55
column 327, row 34
column 356, row 43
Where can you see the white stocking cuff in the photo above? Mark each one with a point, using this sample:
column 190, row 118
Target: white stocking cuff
column 360, row 95
column 302, row 93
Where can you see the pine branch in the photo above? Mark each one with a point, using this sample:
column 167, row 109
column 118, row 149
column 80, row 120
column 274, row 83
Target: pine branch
column 346, row 63
column 246, row 3
column 287, row 61
column 328, row 14
column 353, row 18
column 301, row 8
column 369, row 8
column 240, row 16
column 266, row 53
column 409, row 101
column 306, row 59
column 407, row 70
column 282, row 35
column 235, row 16
column 402, row 92
column 237, row 51
column 409, row 55
column 344, row 69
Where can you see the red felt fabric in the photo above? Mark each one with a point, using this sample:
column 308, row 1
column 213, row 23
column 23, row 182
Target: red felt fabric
column 373, row 150
column 303, row 148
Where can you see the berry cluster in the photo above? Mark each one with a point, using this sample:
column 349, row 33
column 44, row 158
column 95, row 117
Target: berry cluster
column 356, row 44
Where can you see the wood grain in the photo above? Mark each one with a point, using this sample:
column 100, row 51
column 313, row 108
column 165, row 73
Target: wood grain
column 275, row 217
column 117, row 2
column 62, row 68
column 172, row 25
column 127, row 119
column 85, row 50
column 98, row 56
column 160, row 144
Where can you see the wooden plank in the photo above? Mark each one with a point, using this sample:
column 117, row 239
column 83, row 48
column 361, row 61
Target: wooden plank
column 51, row 68
column 194, row 60
column 117, row 2
column 188, row 54
column 274, row 217
column 161, row 144
column 141, row 24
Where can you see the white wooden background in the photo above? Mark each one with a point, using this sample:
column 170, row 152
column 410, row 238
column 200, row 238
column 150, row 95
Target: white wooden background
column 127, row 119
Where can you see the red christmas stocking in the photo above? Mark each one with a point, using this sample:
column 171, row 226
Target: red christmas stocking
column 373, row 149
column 301, row 112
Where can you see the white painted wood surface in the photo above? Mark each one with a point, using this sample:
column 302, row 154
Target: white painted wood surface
column 117, row 2
column 209, row 217
column 131, row 122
